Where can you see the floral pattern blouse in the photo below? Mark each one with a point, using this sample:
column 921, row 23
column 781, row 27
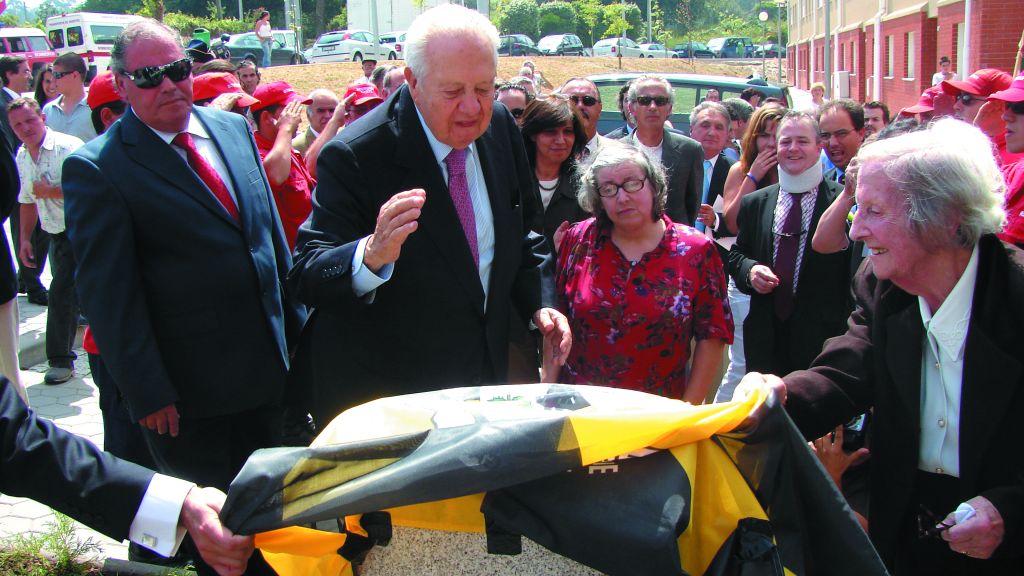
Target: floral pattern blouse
column 632, row 322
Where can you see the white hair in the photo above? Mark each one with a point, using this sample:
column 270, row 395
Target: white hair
column 316, row 93
column 634, row 88
column 947, row 178
column 450, row 20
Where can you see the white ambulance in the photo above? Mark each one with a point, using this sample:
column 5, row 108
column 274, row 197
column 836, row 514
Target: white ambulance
column 89, row 34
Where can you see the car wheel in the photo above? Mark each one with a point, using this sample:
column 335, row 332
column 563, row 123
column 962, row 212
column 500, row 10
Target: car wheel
column 357, row 57
column 392, row 56
column 295, row 59
column 675, row 56
column 560, row 53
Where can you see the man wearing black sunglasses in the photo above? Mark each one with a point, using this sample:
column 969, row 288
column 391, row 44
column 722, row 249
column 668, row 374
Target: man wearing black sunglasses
column 972, row 94
column 181, row 256
column 650, row 102
column 1011, row 103
column 69, row 113
column 585, row 97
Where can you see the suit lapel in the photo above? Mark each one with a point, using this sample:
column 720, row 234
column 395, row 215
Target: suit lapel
column 768, row 226
column 718, row 176
column 903, row 352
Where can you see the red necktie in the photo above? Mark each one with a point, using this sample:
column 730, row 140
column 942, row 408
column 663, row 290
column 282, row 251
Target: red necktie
column 785, row 259
column 459, row 189
column 206, row 173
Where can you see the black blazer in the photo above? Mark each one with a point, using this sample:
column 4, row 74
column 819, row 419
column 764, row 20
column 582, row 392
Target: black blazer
column 877, row 362
column 186, row 305
column 5, row 123
column 10, row 186
column 683, row 159
column 426, row 328
column 821, row 304
column 717, row 189
column 563, row 207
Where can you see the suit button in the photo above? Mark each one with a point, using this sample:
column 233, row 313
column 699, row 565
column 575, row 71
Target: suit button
column 252, row 248
column 98, row 522
column 264, row 292
column 475, row 380
column 86, row 517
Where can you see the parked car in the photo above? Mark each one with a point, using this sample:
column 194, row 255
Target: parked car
column 349, row 46
column 88, row 34
column 732, row 46
column 616, row 47
column 689, row 90
column 246, row 46
column 699, row 50
column 30, row 43
column 652, row 50
column 397, row 41
column 561, row 45
column 517, row 45
column 768, row 51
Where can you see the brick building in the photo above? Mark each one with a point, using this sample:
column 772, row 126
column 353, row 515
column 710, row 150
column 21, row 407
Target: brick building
column 888, row 49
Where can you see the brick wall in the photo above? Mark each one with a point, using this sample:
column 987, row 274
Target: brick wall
column 995, row 31
column 852, row 60
column 897, row 90
column 946, row 45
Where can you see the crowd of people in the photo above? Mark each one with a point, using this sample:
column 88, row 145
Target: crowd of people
column 437, row 227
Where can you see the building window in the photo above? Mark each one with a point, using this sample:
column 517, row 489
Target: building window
column 842, row 57
column 890, row 55
column 908, row 51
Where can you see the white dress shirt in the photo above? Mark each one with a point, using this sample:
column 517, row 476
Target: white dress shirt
column 156, row 523
column 205, row 147
column 364, row 281
column 942, row 374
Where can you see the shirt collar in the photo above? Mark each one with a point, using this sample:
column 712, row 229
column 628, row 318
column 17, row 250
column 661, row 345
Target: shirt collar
column 713, row 160
column 195, row 128
column 313, row 132
column 48, row 141
column 592, row 143
column 948, row 326
column 12, row 92
column 440, row 149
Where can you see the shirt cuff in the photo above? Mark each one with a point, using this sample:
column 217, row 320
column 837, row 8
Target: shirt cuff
column 156, row 523
column 364, row 280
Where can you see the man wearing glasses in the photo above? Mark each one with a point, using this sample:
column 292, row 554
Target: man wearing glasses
column 972, row 93
column 583, row 94
column 1011, row 103
column 842, row 131
column 181, row 258
column 69, row 113
column 650, row 102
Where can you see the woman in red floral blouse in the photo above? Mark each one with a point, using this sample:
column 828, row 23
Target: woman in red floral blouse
column 636, row 286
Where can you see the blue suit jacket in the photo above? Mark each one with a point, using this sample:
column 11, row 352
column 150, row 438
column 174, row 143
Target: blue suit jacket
column 186, row 306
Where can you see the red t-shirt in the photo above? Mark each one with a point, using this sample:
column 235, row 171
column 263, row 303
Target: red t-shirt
column 294, row 198
column 1014, row 230
column 632, row 323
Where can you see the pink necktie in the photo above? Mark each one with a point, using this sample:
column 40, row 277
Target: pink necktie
column 206, row 173
column 459, row 189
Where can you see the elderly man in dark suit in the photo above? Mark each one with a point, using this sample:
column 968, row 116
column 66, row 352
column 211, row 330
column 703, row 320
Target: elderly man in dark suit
column 934, row 346
column 799, row 298
column 182, row 259
column 650, row 103
column 420, row 233
column 710, row 127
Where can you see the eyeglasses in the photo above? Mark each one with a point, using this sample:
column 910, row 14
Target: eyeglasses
column 631, row 186
column 659, row 101
column 587, row 100
column 967, row 98
column 517, row 112
column 59, row 75
column 928, row 526
column 153, row 76
column 839, row 134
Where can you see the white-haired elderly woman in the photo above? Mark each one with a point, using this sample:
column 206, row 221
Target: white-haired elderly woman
column 935, row 346
column 636, row 287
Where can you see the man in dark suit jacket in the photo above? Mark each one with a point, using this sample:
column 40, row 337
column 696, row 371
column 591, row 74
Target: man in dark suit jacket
column 428, row 316
column 650, row 103
column 710, row 126
column 786, row 334
column 181, row 265
column 9, row 186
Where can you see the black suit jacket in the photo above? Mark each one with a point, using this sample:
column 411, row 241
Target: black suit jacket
column 683, row 159
column 563, row 207
column 877, row 363
column 186, row 305
column 66, row 472
column 821, row 303
column 717, row 189
column 10, row 186
column 5, row 123
column 426, row 328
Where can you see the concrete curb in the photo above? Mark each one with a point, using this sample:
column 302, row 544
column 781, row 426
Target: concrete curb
column 32, row 347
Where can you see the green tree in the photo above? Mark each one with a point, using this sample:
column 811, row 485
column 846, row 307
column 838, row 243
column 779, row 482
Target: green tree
column 520, row 17
column 590, row 22
column 556, row 18
column 631, row 25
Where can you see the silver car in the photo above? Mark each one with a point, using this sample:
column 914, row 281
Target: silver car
column 349, row 46
column 614, row 47
column 651, row 50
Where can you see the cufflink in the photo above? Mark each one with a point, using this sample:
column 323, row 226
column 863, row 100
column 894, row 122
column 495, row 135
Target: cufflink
column 149, row 541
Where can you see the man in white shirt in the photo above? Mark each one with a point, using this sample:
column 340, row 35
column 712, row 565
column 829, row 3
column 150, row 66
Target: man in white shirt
column 39, row 161
column 69, row 113
column 710, row 126
column 585, row 97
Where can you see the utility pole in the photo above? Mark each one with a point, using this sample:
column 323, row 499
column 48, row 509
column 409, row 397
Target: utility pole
column 241, row 15
column 780, row 4
column 828, row 48
column 650, row 37
column 763, row 17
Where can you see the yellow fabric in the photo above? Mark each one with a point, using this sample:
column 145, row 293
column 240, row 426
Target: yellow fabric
column 302, row 551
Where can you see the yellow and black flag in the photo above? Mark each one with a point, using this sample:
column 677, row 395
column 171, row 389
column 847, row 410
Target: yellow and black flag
column 623, row 482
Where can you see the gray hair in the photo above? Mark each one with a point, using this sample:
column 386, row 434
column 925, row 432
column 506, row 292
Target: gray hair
column 446, row 20
column 797, row 116
column 947, row 178
column 711, row 106
column 145, row 29
column 739, row 109
column 615, row 153
column 316, row 93
column 634, row 88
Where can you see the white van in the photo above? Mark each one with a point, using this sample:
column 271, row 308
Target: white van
column 88, row 34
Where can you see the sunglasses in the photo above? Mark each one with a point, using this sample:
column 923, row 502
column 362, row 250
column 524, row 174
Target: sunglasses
column 153, row 76
column 59, row 75
column 659, row 101
column 1016, row 107
column 968, row 98
column 517, row 112
column 587, row 100
column 928, row 526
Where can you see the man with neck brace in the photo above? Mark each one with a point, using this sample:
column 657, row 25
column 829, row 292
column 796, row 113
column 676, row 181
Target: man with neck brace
column 799, row 298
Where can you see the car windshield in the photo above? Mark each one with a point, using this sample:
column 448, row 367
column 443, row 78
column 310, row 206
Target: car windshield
column 329, row 38
column 104, row 34
column 550, row 41
column 38, row 43
column 716, row 43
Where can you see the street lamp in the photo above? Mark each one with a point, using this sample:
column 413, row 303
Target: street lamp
column 763, row 17
column 780, row 4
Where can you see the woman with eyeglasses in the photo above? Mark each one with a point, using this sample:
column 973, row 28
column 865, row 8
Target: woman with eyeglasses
column 46, row 88
column 515, row 98
column 757, row 168
column 637, row 287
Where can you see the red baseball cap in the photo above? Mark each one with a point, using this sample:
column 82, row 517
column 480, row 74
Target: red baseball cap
column 364, row 93
column 983, row 83
column 1015, row 93
column 213, row 84
column 102, row 91
column 277, row 93
column 926, row 103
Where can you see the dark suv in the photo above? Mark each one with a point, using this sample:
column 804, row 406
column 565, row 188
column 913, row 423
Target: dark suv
column 517, row 45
